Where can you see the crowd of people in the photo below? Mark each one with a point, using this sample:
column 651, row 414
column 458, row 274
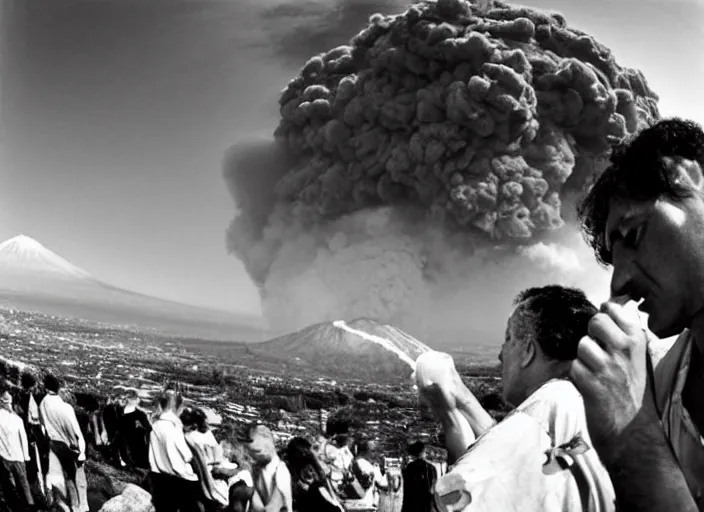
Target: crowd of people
column 598, row 423
column 185, row 467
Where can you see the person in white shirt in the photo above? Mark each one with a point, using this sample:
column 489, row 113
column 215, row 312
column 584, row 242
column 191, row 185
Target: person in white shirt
column 368, row 474
column 203, row 437
column 174, row 483
column 540, row 344
column 66, row 444
column 14, row 453
column 272, row 479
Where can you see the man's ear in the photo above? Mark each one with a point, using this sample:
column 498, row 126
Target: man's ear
column 686, row 172
column 528, row 353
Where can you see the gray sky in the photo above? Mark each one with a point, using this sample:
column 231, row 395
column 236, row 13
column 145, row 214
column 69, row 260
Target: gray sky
column 114, row 116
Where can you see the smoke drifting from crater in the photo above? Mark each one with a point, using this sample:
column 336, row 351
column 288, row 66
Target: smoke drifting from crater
column 425, row 173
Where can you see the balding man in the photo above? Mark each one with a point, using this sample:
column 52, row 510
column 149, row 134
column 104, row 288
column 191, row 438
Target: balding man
column 272, row 479
column 174, row 483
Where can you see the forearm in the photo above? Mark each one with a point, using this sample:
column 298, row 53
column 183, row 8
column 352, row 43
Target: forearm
column 644, row 471
column 458, row 434
column 479, row 419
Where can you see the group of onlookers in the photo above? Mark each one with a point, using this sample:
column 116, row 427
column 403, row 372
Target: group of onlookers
column 43, row 452
column 42, row 449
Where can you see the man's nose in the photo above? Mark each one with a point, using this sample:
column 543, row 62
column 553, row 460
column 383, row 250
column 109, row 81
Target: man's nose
column 622, row 274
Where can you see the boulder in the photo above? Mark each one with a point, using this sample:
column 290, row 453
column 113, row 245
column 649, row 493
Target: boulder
column 132, row 499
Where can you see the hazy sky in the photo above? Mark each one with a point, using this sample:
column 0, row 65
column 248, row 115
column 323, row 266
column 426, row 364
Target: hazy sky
column 114, row 116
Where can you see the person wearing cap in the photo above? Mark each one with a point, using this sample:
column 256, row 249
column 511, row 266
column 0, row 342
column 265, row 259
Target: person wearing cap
column 174, row 483
column 272, row 479
column 419, row 477
column 14, row 454
column 67, row 446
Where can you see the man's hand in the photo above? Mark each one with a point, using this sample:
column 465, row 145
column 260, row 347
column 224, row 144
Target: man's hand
column 610, row 373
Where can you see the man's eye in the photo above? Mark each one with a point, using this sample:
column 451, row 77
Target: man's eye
column 632, row 238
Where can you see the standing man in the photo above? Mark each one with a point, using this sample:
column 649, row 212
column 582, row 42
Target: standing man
column 14, row 454
column 419, row 477
column 67, row 446
column 37, row 441
column 644, row 216
column 174, row 483
column 272, row 479
column 131, row 440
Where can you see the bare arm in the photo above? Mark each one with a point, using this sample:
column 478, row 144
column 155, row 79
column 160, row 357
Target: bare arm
column 458, row 434
column 479, row 419
column 456, row 426
column 644, row 472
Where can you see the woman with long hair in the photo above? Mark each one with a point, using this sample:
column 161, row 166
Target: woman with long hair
column 312, row 489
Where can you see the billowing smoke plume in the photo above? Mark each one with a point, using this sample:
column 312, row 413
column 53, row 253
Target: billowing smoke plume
column 426, row 172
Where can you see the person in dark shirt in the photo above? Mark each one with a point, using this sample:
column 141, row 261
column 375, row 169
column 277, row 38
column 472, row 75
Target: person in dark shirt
column 419, row 477
column 38, row 444
column 111, row 413
column 132, row 434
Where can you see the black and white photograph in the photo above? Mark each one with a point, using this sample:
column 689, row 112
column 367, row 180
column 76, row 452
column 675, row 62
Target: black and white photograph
column 351, row 256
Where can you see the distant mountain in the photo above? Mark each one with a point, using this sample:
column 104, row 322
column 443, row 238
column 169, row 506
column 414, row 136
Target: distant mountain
column 34, row 278
column 22, row 257
column 361, row 349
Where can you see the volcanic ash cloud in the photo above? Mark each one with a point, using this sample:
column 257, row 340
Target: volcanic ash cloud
column 426, row 172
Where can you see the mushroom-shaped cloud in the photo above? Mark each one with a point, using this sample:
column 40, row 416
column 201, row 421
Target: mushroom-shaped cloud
column 439, row 141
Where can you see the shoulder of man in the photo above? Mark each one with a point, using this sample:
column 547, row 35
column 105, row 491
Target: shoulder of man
column 559, row 408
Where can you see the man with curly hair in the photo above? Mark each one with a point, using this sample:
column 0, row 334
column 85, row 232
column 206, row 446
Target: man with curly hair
column 644, row 217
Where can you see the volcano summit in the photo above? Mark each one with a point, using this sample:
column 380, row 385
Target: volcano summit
column 22, row 256
column 34, row 278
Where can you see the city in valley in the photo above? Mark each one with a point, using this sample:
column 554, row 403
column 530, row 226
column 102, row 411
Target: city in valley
column 234, row 382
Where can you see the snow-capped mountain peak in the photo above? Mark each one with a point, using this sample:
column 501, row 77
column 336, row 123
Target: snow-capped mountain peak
column 24, row 255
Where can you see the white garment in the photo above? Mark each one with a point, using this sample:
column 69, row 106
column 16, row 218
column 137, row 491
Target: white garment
column 206, row 441
column 274, row 475
column 505, row 468
column 559, row 408
column 343, row 458
column 13, row 438
column 371, row 496
column 168, row 452
column 59, row 420
column 243, row 475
